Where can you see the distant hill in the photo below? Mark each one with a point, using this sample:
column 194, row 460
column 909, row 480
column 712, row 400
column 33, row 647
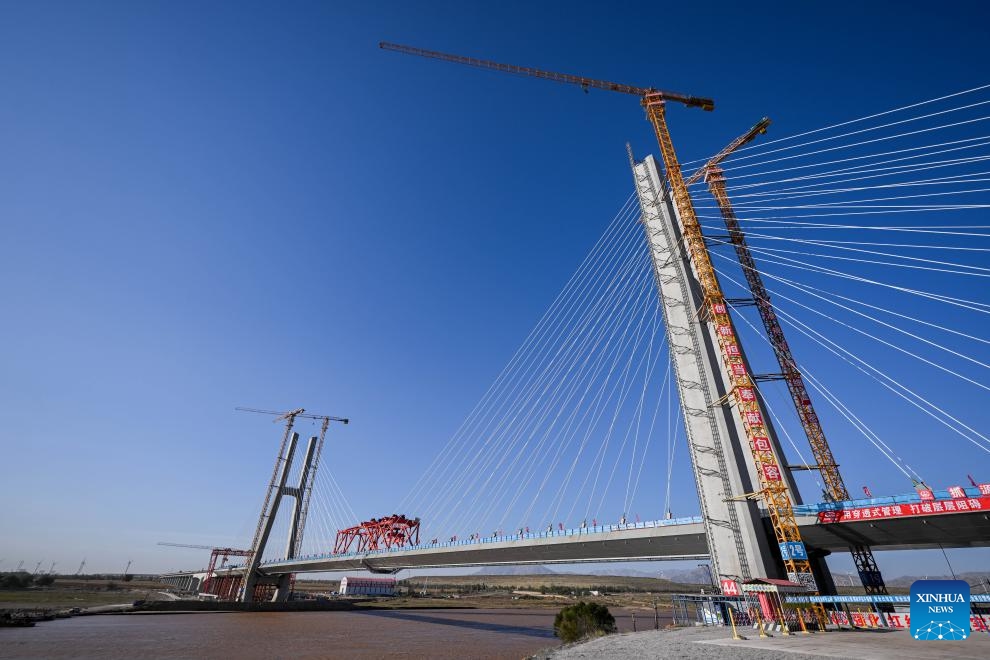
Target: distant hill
column 681, row 576
column 700, row 576
column 977, row 580
column 515, row 570
column 550, row 580
column 690, row 576
column 850, row 581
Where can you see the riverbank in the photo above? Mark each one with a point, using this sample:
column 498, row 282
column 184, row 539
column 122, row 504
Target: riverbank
column 717, row 644
column 68, row 593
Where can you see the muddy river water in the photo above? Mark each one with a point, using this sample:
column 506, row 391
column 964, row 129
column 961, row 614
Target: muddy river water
column 437, row 633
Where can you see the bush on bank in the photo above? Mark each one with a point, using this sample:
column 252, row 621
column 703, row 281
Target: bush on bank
column 576, row 622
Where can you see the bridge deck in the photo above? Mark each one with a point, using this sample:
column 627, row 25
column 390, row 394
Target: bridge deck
column 893, row 523
column 681, row 539
column 900, row 522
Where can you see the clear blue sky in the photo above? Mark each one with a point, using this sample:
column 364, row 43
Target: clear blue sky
column 208, row 205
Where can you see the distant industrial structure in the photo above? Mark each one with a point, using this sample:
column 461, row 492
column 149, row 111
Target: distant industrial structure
column 367, row 586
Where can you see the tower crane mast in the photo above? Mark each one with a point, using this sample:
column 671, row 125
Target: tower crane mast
column 773, row 489
column 825, row 463
column 759, row 129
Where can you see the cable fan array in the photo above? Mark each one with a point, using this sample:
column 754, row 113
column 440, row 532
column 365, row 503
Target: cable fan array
column 545, row 444
column 563, row 435
column 885, row 321
column 890, row 316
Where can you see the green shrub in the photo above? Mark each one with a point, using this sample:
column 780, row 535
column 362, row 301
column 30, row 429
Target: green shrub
column 16, row 580
column 576, row 622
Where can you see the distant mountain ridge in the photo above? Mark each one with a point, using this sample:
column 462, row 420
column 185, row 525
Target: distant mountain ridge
column 979, row 581
column 515, row 570
column 695, row 576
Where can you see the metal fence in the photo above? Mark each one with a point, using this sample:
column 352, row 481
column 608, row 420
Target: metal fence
column 743, row 611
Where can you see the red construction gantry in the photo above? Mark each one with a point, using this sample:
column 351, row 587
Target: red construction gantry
column 393, row 531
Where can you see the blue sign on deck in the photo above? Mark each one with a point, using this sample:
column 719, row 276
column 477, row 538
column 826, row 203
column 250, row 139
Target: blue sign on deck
column 793, row 550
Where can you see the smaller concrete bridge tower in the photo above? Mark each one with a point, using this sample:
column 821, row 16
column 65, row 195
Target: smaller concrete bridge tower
column 256, row 586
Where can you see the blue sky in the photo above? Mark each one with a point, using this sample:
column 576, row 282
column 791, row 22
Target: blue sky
column 250, row 204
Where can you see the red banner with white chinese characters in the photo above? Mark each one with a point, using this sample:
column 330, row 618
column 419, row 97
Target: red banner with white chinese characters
column 936, row 507
column 870, row 620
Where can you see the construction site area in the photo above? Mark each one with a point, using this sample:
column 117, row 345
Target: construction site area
column 713, row 389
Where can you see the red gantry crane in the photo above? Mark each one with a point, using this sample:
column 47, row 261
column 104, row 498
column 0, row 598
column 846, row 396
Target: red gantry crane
column 773, row 489
column 225, row 587
column 393, row 531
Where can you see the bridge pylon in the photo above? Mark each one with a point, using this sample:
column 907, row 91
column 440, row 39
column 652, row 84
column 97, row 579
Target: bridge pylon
column 256, row 586
column 729, row 491
column 279, row 488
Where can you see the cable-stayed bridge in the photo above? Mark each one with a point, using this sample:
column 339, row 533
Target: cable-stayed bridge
column 852, row 230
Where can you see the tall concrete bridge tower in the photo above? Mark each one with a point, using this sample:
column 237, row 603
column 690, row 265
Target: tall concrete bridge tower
column 740, row 542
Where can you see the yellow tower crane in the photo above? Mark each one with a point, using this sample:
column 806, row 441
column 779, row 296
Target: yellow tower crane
column 773, row 489
column 759, row 129
column 835, row 487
